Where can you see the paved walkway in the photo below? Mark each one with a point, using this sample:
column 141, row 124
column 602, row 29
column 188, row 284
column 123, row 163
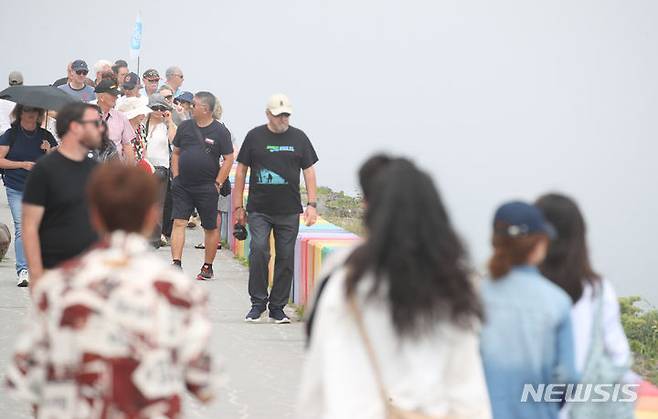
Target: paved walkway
column 261, row 362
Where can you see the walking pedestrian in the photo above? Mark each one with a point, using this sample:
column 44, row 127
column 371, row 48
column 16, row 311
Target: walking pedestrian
column 20, row 147
column 183, row 107
column 198, row 177
column 279, row 152
column 151, row 80
column 159, row 132
column 120, row 69
column 119, row 129
column 527, row 338
column 598, row 332
column 400, row 321
column 174, row 79
column 56, row 223
column 77, row 87
column 136, row 112
column 131, row 88
column 102, row 66
column 7, row 107
column 117, row 332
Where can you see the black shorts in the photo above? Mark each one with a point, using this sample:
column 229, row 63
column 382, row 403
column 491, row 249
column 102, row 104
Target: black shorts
column 202, row 197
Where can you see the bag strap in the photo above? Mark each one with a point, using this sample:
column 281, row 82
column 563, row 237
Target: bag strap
column 356, row 312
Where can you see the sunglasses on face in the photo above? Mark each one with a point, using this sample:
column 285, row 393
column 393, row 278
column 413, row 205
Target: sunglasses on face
column 30, row 109
column 152, row 80
column 169, row 97
column 159, row 109
column 179, row 75
column 96, row 122
column 82, row 72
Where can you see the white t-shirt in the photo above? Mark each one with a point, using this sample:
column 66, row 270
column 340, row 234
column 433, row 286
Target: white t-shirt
column 5, row 114
column 157, row 145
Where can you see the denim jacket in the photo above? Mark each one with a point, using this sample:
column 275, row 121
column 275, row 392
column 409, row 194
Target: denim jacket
column 527, row 339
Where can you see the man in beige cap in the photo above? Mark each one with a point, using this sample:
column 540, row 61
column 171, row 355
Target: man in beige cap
column 15, row 79
column 276, row 153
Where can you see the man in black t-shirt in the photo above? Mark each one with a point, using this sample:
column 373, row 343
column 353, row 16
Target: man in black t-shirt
column 56, row 225
column 276, row 154
column 198, row 177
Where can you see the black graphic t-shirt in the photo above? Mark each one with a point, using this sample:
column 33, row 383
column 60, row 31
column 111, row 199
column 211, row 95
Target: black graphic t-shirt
column 276, row 161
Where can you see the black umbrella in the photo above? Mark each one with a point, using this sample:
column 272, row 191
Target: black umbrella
column 44, row 97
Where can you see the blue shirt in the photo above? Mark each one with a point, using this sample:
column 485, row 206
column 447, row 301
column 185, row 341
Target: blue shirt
column 527, row 339
column 23, row 146
column 86, row 94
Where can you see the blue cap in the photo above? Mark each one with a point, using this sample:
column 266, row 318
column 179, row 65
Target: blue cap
column 516, row 219
column 185, row 97
column 79, row 65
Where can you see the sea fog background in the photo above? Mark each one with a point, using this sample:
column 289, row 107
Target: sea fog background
column 498, row 100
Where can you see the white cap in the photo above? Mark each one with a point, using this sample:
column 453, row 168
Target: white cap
column 133, row 106
column 279, row 104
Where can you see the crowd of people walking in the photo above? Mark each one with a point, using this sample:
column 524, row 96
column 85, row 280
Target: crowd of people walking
column 401, row 326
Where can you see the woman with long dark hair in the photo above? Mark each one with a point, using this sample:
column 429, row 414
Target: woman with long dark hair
column 527, row 339
column 595, row 314
column 20, row 147
column 396, row 326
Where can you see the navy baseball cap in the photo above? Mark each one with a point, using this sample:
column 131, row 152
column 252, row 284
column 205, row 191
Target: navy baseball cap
column 79, row 65
column 517, row 219
column 130, row 81
column 184, row 97
column 107, row 86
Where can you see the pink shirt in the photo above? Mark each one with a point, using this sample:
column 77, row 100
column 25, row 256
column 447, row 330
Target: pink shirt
column 119, row 129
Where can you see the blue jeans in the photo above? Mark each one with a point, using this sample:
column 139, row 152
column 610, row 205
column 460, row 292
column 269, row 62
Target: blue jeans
column 15, row 199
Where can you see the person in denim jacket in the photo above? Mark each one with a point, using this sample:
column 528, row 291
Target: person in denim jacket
column 527, row 338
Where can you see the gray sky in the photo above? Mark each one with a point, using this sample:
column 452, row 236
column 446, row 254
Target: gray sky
column 499, row 100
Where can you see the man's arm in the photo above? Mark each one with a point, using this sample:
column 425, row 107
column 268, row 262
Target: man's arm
column 175, row 155
column 171, row 128
column 311, row 213
column 238, row 193
column 225, row 170
column 32, row 216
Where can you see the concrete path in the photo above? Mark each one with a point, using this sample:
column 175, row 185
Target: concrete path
column 261, row 363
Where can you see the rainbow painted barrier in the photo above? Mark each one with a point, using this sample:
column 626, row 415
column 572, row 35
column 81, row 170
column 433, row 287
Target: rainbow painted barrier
column 647, row 402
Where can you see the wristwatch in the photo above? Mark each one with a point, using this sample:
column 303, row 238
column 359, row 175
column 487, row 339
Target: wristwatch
column 312, row 204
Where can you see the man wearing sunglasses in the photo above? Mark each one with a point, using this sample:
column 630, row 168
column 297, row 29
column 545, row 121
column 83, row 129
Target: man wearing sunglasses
column 199, row 144
column 76, row 87
column 151, row 79
column 55, row 221
column 276, row 153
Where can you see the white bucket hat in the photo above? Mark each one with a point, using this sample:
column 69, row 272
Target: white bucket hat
column 134, row 106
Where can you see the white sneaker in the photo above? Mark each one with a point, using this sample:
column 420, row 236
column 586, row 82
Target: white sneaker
column 23, row 278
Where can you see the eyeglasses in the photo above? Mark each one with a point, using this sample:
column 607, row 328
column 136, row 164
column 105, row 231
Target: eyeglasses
column 169, row 97
column 96, row 122
column 30, row 109
column 82, row 72
column 179, row 75
column 158, row 108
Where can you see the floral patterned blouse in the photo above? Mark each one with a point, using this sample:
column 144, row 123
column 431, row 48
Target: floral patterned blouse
column 116, row 333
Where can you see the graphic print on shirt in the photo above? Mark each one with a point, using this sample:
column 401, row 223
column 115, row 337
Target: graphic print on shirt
column 268, row 177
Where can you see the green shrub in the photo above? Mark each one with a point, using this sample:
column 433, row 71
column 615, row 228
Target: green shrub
column 641, row 327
